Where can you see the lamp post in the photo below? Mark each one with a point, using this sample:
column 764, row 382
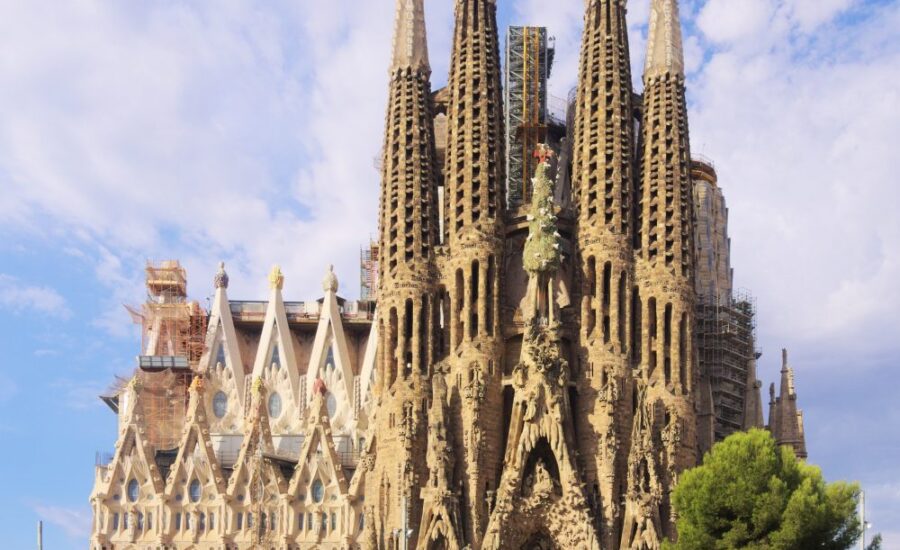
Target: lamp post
column 862, row 517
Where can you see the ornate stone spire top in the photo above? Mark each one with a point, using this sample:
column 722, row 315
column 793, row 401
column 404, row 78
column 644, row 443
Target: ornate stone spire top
column 276, row 278
column 664, row 50
column 221, row 278
column 410, row 41
column 330, row 282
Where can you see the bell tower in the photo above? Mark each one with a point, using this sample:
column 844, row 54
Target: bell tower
column 471, row 265
column 602, row 173
column 408, row 278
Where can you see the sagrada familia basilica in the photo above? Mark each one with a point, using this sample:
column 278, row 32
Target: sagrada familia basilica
column 534, row 368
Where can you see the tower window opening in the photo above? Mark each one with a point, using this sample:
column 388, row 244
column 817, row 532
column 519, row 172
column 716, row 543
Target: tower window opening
column 458, row 309
column 473, row 299
column 424, row 360
column 622, row 318
column 590, row 290
column 392, row 346
column 636, row 325
column 607, row 288
column 489, row 319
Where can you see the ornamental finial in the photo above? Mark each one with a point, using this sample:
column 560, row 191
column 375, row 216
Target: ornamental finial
column 330, row 282
column 197, row 384
column 319, row 387
column 276, row 278
column 221, row 278
column 544, row 153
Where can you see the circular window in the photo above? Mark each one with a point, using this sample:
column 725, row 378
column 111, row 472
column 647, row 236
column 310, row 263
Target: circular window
column 134, row 490
column 318, row 491
column 274, row 405
column 194, row 491
column 220, row 404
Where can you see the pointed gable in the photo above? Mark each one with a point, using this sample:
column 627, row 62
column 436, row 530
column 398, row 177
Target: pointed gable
column 330, row 344
column 275, row 344
column 196, row 459
column 222, row 357
column 252, row 472
column 319, row 459
column 134, row 457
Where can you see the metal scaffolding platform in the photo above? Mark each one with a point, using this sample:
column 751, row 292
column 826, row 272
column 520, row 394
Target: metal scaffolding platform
column 529, row 57
column 726, row 343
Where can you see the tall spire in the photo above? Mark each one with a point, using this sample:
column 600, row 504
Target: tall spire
column 474, row 174
column 471, row 267
column 664, row 307
column 410, row 41
column 785, row 418
column 602, row 177
column 407, row 279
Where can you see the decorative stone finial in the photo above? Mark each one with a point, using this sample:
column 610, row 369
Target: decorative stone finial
column 410, row 42
column 319, row 387
column 221, row 278
column 784, row 357
column 665, row 53
column 330, row 282
column 197, row 384
column 276, row 278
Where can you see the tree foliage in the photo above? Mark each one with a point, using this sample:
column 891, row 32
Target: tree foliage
column 751, row 494
column 542, row 252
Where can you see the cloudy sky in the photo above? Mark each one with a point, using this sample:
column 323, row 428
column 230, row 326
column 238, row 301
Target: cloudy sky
column 248, row 132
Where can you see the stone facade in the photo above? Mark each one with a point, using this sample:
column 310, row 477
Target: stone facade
column 530, row 378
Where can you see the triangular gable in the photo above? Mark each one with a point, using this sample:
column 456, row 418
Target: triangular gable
column 330, row 334
column 318, row 456
column 221, row 338
column 196, row 440
column 251, row 465
column 276, row 332
column 133, row 457
column 540, row 480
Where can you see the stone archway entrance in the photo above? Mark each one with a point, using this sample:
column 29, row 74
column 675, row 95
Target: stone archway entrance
column 539, row 541
column 440, row 543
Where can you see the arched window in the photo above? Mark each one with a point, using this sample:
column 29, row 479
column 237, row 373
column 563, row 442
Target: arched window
column 220, row 404
column 133, row 490
column 331, row 405
column 195, row 491
column 275, row 405
column 317, row 491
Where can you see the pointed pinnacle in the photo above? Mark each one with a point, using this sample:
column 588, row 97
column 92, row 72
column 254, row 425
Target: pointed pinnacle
column 665, row 53
column 410, row 40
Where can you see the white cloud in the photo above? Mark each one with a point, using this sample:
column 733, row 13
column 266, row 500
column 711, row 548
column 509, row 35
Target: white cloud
column 21, row 297
column 195, row 131
column 75, row 522
column 725, row 21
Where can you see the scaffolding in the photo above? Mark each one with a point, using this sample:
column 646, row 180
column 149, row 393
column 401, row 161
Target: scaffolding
column 529, row 56
column 171, row 326
column 368, row 276
column 727, row 345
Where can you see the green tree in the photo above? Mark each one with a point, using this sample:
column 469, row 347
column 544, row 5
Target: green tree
column 875, row 544
column 751, row 494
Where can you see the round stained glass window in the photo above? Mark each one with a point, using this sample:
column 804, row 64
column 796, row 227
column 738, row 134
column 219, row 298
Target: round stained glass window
column 220, row 404
column 274, row 405
column 194, row 491
column 134, row 490
column 318, row 491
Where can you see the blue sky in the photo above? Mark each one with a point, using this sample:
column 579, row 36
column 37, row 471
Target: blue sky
column 248, row 132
